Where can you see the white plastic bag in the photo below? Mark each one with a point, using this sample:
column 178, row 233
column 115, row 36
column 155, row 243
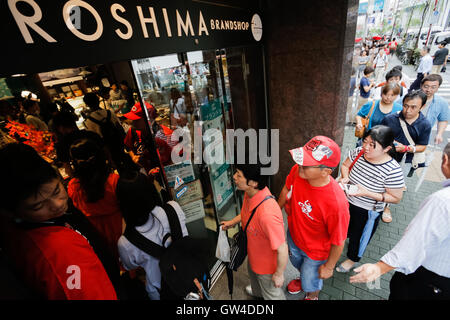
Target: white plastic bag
column 223, row 247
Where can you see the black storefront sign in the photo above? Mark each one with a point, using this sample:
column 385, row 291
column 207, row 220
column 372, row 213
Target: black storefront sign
column 43, row 35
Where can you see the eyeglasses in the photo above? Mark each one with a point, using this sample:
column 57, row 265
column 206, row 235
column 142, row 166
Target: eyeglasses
column 430, row 87
column 321, row 166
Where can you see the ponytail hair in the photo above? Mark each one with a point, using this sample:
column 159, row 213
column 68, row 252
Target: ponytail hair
column 91, row 167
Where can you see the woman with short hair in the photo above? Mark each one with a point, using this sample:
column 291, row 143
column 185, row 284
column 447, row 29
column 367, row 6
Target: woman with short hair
column 381, row 108
column 378, row 180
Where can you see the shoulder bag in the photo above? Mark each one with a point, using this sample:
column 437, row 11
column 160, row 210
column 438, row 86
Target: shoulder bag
column 419, row 157
column 356, row 159
column 239, row 247
column 359, row 133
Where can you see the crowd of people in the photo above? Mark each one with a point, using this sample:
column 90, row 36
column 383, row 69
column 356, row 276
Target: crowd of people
column 323, row 212
column 370, row 70
column 71, row 210
column 51, row 228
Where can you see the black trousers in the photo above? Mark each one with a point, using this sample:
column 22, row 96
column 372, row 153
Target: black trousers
column 416, row 84
column 420, row 285
column 358, row 220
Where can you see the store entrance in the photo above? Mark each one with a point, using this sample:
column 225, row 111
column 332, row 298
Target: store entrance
column 200, row 93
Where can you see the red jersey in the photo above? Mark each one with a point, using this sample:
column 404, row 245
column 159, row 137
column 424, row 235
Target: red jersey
column 51, row 258
column 317, row 216
column 104, row 214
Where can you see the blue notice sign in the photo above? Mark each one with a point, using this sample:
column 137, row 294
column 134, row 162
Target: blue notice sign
column 378, row 5
column 363, row 8
column 181, row 192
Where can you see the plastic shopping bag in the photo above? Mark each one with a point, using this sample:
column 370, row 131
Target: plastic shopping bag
column 223, row 247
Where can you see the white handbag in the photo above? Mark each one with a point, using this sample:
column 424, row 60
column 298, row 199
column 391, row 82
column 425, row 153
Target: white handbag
column 223, row 247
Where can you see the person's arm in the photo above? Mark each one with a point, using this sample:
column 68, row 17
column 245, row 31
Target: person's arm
column 367, row 88
column 231, row 223
column 390, row 196
column 326, row 270
column 370, row 272
column 401, row 148
column 345, row 171
column 428, row 228
column 429, row 67
column 282, row 259
column 441, row 127
column 282, row 197
column 68, row 168
column 359, row 122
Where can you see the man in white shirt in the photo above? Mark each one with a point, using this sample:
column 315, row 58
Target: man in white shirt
column 422, row 256
column 380, row 64
column 424, row 69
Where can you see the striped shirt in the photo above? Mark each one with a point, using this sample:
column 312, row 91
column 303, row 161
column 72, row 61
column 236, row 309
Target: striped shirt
column 374, row 177
column 426, row 241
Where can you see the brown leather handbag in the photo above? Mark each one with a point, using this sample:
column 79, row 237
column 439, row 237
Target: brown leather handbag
column 359, row 133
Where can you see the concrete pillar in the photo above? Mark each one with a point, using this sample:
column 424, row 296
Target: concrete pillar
column 309, row 47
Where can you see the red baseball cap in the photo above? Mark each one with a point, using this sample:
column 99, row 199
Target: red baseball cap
column 137, row 113
column 320, row 150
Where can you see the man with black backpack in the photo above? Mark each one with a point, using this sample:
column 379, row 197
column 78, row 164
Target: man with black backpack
column 106, row 125
column 156, row 239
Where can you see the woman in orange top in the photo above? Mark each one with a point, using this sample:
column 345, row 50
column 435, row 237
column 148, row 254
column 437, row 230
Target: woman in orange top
column 93, row 190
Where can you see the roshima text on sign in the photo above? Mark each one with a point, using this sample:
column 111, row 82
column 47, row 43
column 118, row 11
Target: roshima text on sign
column 119, row 29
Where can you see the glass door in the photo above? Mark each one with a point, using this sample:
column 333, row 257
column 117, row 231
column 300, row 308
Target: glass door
column 190, row 92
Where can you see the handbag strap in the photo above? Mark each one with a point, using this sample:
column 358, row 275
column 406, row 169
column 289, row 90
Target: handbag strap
column 406, row 132
column 147, row 245
column 371, row 111
column 356, row 159
column 254, row 210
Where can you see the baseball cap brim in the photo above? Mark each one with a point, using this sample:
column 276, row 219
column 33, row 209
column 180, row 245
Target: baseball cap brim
column 132, row 116
column 303, row 158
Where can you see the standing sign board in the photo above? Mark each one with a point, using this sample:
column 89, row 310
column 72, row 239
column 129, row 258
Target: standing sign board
column 44, row 35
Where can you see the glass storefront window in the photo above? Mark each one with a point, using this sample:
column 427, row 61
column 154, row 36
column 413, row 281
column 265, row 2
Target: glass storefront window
column 187, row 90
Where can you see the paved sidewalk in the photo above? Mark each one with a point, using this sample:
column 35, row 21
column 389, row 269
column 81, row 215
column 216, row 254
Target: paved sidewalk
column 386, row 236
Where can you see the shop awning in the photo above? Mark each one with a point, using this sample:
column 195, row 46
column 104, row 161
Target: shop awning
column 42, row 35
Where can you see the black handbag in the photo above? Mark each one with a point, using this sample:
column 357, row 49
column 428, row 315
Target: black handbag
column 239, row 247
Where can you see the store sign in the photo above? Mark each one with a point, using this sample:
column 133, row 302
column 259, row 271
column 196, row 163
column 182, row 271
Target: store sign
column 183, row 171
column 192, row 193
column 45, row 35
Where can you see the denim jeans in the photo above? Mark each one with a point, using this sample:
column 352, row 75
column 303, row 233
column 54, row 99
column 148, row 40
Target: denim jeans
column 309, row 269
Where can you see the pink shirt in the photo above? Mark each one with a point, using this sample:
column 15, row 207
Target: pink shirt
column 265, row 232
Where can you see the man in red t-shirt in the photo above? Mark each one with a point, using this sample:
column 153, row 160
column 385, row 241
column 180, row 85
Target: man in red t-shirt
column 392, row 46
column 266, row 242
column 318, row 214
column 138, row 133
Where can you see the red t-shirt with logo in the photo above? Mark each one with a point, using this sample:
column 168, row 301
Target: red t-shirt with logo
column 51, row 259
column 317, row 216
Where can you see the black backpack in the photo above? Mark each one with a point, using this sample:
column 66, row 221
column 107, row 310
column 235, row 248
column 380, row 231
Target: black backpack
column 113, row 133
column 183, row 270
